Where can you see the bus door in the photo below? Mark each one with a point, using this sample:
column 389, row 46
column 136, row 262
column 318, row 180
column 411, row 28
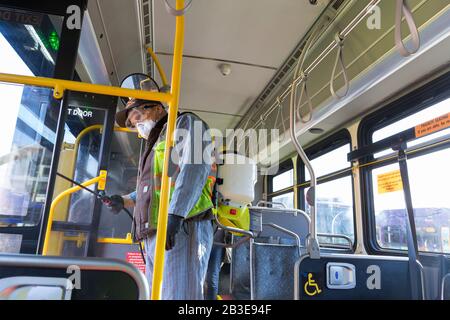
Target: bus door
column 32, row 43
column 84, row 138
column 91, row 144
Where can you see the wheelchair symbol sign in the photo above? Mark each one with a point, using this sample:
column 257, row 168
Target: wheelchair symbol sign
column 311, row 286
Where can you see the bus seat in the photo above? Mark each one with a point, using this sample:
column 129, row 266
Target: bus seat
column 273, row 271
column 240, row 270
column 30, row 277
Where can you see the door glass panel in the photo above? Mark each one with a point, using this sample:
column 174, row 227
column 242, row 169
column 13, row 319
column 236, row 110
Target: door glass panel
column 79, row 160
column 122, row 178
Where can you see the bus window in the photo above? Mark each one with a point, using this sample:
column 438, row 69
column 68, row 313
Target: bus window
column 281, row 185
column 334, row 193
column 283, row 180
column 428, row 175
column 287, row 199
column 29, row 126
column 411, row 121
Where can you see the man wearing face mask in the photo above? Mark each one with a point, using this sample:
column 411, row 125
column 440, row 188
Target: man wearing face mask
column 189, row 228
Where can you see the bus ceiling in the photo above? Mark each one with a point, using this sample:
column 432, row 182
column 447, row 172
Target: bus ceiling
column 261, row 57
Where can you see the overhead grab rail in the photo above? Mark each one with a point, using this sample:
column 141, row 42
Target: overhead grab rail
column 303, row 78
column 312, row 245
column 177, row 12
column 343, row 34
column 280, row 114
column 59, row 86
column 403, row 8
column 340, row 61
column 162, row 74
column 304, row 91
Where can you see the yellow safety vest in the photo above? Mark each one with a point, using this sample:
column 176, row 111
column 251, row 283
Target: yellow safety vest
column 203, row 203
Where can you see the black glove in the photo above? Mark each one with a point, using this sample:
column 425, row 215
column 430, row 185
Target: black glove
column 115, row 203
column 173, row 227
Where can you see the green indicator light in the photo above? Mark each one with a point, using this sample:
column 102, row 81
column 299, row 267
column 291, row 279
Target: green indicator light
column 53, row 39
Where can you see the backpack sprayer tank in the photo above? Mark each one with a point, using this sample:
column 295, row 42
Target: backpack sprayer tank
column 236, row 181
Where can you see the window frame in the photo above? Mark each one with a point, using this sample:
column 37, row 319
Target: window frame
column 424, row 97
column 284, row 167
column 329, row 144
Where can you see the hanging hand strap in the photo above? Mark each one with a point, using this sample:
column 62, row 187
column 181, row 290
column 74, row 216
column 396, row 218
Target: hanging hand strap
column 176, row 12
column 280, row 114
column 339, row 60
column 403, row 9
column 304, row 91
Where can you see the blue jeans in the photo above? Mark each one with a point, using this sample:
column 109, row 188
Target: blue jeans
column 212, row 275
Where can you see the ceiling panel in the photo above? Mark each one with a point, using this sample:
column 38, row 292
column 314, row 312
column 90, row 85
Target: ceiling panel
column 121, row 34
column 261, row 32
column 254, row 36
column 205, row 88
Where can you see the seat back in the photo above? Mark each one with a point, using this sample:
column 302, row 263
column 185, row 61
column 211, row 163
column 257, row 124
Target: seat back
column 273, row 270
column 28, row 277
column 295, row 221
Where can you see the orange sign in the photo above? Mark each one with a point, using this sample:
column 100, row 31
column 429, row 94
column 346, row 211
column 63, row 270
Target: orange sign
column 390, row 182
column 434, row 125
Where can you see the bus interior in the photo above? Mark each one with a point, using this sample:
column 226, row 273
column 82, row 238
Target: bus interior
column 349, row 102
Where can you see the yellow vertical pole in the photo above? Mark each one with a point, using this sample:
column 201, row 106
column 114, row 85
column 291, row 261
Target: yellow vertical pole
column 158, row 268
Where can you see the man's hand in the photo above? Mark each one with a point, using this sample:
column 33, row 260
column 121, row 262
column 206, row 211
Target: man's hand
column 115, row 203
column 173, row 227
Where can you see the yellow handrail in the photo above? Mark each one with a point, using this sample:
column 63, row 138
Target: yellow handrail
column 90, row 129
column 127, row 240
column 101, row 178
column 60, row 86
column 162, row 74
column 158, row 269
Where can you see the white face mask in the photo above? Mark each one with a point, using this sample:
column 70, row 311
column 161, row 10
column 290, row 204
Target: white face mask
column 144, row 128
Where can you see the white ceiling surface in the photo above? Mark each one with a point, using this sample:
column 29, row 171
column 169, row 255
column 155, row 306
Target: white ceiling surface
column 258, row 32
column 121, row 45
